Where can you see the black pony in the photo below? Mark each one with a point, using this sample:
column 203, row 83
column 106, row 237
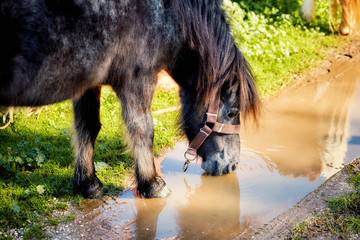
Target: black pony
column 53, row 50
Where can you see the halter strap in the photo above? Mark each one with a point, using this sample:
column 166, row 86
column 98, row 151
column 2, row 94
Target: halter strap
column 205, row 131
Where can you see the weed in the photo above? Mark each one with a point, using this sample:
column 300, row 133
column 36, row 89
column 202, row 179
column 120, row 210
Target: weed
column 53, row 221
column 69, row 218
column 36, row 232
column 345, row 205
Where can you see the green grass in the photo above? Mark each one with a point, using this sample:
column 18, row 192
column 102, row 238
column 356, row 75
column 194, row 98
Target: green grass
column 341, row 218
column 167, row 131
column 36, row 154
column 277, row 41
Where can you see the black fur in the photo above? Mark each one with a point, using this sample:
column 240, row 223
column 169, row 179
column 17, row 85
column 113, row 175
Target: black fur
column 53, row 50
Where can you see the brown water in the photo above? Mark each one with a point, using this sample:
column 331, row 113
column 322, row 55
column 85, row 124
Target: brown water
column 305, row 136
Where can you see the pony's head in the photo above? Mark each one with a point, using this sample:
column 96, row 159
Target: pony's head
column 209, row 63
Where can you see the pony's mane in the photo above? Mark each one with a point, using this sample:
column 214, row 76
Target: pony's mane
column 205, row 28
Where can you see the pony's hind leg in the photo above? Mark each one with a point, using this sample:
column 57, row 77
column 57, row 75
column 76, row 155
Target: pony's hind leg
column 87, row 126
column 350, row 21
column 136, row 97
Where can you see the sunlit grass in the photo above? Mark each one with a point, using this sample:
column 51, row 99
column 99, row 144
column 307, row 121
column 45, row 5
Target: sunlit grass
column 277, row 41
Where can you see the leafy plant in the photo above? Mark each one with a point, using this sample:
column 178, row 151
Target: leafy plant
column 276, row 40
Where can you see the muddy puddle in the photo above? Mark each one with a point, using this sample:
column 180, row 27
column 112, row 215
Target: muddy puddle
column 305, row 136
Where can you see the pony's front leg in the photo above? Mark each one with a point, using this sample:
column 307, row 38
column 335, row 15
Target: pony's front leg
column 136, row 112
column 87, row 125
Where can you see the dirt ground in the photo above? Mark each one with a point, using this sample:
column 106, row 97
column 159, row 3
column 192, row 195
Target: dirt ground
column 316, row 202
column 330, row 67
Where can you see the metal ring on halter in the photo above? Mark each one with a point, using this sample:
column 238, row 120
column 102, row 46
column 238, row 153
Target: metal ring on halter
column 186, row 154
column 187, row 162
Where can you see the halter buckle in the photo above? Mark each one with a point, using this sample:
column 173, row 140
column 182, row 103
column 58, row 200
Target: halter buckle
column 188, row 159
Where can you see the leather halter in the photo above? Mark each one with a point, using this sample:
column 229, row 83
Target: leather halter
column 205, row 131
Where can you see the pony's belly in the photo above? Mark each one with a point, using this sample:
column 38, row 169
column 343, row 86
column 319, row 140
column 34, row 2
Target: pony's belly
column 56, row 80
column 39, row 98
column 41, row 93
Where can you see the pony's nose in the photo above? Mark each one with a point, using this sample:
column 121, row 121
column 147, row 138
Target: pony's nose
column 230, row 168
column 217, row 168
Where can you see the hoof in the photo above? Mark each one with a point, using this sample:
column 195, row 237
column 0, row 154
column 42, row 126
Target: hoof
column 95, row 190
column 155, row 188
column 344, row 30
column 90, row 190
column 163, row 193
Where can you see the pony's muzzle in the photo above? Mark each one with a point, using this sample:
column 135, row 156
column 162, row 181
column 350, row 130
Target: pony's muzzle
column 217, row 165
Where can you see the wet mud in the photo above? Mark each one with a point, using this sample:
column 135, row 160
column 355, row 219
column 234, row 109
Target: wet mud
column 305, row 136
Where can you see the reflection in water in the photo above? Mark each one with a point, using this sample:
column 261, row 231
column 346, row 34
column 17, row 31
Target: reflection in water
column 215, row 206
column 305, row 131
column 335, row 143
column 146, row 219
column 304, row 137
column 255, row 160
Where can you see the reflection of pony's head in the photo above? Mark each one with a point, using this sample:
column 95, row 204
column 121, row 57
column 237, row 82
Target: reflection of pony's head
column 212, row 210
